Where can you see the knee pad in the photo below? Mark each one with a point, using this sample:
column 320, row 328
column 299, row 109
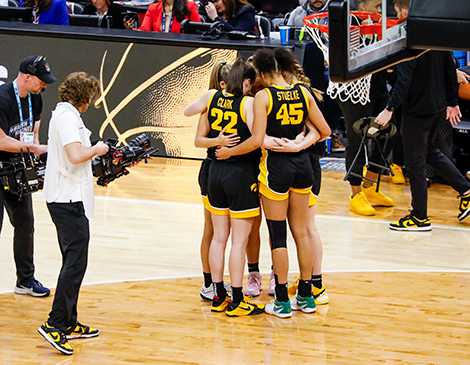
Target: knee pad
column 277, row 233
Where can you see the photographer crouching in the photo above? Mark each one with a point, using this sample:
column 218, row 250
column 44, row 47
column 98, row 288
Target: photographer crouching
column 69, row 193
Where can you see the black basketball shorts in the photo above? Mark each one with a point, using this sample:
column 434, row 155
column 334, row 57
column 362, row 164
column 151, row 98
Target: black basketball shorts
column 204, row 180
column 284, row 172
column 233, row 189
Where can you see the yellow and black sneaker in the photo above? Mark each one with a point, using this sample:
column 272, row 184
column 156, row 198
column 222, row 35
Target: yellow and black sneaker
column 244, row 308
column 56, row 338
column 81, row 331
column 320, row 295
column 464, row 206
column 219, row 305
column 411, row 223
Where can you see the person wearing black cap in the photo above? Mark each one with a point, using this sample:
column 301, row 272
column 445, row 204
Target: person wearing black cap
column 20, row 115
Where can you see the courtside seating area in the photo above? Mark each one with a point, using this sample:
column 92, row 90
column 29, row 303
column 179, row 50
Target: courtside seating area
column 270, row 13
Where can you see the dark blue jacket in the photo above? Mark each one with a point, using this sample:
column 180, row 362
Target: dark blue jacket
column 244, row 19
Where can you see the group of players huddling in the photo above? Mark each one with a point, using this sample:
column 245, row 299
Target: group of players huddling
column 284, row 120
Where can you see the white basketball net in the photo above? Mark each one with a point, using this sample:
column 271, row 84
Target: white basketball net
column 357, row 91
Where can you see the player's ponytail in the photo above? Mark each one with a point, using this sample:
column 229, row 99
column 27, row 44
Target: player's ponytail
column 219, row 73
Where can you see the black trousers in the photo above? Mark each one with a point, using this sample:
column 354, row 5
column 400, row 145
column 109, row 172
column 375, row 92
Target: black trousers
column 22, row 219
column 73, row 232
column 353, row 112
column 419, row 133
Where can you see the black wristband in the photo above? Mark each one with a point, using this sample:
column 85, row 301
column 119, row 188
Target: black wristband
column 390, row 108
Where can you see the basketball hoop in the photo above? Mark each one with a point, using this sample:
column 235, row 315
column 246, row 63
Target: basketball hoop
column 361, row 35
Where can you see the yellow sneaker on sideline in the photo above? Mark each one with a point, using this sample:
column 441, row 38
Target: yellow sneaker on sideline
column 377, row 198
column 398, row 178
column 360, row 205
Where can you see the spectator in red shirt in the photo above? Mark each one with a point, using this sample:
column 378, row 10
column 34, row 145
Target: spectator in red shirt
column 166, row 16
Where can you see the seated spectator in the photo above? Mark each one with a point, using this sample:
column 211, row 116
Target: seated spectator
column 48, row 11
column 166, row 16
column 309, row 7
column 234, row 14
column 107, row 7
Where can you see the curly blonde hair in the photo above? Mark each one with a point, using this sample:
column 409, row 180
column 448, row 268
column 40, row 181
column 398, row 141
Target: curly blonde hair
column 78, row 88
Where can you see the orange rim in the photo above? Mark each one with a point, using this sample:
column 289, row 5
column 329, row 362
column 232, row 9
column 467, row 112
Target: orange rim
column 375, row 28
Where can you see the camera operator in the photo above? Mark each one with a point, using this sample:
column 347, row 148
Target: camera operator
column 69, row 193
column 20, row 115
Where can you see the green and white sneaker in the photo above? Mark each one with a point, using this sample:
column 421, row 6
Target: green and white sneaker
column 279, row 309
column 304, row 304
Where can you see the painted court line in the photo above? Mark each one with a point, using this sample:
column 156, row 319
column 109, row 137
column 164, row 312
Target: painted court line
column 321, row 216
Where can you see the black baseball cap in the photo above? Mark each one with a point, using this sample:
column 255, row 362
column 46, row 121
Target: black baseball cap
column 37, row 66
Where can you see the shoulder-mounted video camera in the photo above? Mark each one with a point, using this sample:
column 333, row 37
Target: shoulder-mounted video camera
column 114, row 163
column 24, row 174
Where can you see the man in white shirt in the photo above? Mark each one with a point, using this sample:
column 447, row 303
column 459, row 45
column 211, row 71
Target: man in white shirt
column 69, row 193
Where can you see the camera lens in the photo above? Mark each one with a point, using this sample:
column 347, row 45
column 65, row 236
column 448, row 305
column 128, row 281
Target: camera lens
column 141, row 141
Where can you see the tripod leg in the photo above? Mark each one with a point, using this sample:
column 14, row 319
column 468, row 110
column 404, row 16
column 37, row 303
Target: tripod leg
column 356, row 157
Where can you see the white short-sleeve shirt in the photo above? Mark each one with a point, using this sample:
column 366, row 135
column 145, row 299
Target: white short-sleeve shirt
column 64, row 181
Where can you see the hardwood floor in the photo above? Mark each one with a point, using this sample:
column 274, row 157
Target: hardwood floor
column 395, row 297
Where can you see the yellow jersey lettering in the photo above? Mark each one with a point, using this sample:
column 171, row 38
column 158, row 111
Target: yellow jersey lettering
column 224, row 103
column 288, row 95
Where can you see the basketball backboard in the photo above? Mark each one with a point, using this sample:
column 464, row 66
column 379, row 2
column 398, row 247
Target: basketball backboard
column 350, row 58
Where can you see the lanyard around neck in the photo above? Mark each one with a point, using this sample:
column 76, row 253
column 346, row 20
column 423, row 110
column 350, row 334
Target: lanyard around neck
column 20, row 109
column 164, row 20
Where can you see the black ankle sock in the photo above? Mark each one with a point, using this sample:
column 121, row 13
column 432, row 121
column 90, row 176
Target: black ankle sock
column 253, row 267
column 207, row 279
column 305, row 288
column 317, row 281
column 237, row 294
column 281, row 293
column 220, row 290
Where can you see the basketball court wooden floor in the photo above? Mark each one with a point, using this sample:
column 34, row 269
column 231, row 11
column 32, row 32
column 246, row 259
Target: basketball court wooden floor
column 395, row 298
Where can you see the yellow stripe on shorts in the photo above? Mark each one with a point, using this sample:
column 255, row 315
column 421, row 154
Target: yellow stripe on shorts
column 205, row 201
column 217, row 211
column 301, row 191
column 271, row 195
column 250, row 213
column 263, row 168
column 312, row 200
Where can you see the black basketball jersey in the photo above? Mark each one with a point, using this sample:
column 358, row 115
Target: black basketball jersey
column 288, row 109
column 226, row 111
